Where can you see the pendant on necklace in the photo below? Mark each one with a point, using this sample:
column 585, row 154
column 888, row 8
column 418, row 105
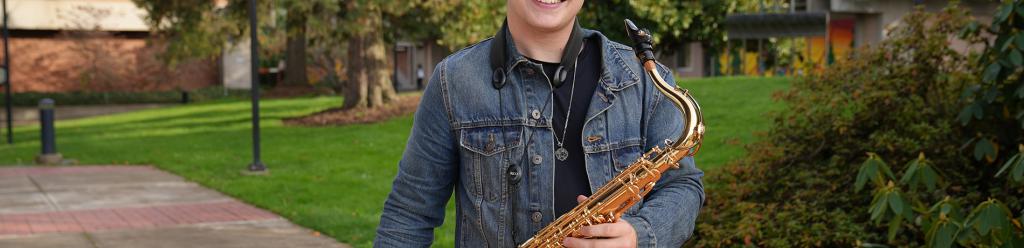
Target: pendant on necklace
column 561, row 154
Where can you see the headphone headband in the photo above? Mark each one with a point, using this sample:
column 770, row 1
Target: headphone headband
column 499, row 55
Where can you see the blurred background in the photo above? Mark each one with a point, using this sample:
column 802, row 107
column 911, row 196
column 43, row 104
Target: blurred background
column 831, row 123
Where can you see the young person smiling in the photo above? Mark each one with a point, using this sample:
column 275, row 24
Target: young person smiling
column 523, row 126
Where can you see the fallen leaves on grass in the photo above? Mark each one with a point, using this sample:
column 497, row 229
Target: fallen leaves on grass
column 402, row 106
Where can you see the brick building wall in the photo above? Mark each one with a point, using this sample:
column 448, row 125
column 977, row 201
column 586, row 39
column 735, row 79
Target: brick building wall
column 78, row 61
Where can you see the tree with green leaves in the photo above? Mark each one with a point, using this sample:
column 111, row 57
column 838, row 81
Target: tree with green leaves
column 355, row 33
column 672, row 22
column 193, row 29
column 203, row 29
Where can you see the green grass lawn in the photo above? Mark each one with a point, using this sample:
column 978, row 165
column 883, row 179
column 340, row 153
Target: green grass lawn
column 332, row 179
column 734, row 109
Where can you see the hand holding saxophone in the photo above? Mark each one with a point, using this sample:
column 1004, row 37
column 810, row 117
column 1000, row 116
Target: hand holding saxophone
column 616, row 234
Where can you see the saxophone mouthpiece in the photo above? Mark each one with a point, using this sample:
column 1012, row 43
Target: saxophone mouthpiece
column 642, row 43
column 630, row 27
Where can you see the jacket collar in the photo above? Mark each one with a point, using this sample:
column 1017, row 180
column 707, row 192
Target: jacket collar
column 616, row 74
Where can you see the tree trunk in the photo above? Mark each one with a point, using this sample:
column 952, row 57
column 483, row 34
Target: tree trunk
column 295, row 54
column 369, row 76
column 355, row 87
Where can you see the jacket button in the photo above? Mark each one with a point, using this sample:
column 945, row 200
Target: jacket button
column 513, row 174
column 536, row 217
column 535, row 114
column 537, row 159
column 529, row 71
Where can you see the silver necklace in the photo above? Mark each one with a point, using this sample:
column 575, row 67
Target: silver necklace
column 561, row 153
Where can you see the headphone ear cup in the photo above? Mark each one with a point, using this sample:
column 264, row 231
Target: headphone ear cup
column 498, row 78
column 559, row 76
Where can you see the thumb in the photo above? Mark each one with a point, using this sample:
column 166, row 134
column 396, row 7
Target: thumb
column 580, row 198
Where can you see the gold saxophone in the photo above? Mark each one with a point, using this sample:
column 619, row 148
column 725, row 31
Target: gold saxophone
column 629, row 187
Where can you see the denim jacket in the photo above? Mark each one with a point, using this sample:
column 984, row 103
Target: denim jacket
column 494, row 150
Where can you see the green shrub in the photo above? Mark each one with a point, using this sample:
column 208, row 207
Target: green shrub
column 897, row 99
column 993, row 119
column 943, row 223
column 994, row 108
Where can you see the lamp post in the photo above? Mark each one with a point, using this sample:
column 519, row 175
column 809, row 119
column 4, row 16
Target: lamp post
column 256, row 165
column 7, row 78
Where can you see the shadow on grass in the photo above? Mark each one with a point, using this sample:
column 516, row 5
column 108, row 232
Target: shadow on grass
column 184, row 119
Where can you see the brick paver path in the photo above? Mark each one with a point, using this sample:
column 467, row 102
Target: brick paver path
column 129, row 217
column 38, row 201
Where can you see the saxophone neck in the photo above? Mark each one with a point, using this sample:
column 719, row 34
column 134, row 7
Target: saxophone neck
column 693, row 122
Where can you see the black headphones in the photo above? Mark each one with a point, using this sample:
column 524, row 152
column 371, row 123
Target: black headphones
column 499, row 56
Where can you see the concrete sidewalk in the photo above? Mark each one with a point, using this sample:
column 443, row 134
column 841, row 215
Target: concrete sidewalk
column 132, row 206
column 30, row 115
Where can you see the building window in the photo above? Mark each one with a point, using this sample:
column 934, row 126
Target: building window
column 683, row 56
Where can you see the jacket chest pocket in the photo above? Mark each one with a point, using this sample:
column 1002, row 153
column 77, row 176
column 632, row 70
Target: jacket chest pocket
column 486, row 154
column 624, row 157
column 621, row 159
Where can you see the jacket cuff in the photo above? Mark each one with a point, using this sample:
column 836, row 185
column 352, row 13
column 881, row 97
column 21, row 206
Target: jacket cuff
column 644, row 232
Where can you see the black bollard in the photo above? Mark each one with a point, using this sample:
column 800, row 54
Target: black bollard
column 185, row 99
column 47, row 135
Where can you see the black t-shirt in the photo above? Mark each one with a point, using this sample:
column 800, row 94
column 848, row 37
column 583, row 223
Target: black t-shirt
column 571, row 175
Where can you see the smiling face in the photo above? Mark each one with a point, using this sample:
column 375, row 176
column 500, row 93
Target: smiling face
column 544, row 15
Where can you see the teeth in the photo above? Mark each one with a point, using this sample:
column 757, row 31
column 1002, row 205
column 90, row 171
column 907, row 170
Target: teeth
column 550, row 1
